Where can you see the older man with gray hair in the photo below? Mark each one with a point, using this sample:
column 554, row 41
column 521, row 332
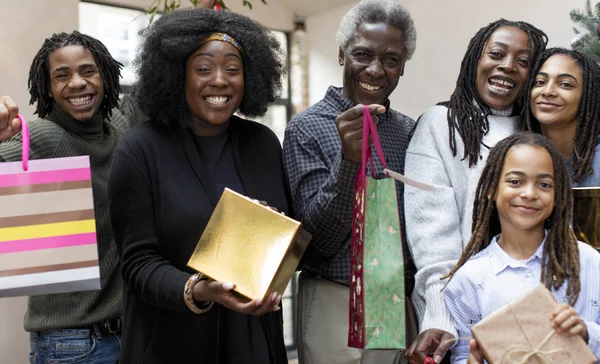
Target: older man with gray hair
column 322, row 154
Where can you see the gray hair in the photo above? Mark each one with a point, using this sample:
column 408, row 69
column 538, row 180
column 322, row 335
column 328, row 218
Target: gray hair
column 389, row 12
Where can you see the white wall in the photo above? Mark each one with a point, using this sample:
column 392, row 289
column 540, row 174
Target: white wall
column 444, row 29
column 24, row 25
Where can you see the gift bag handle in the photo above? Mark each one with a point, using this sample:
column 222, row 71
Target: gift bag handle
column 369, row 131
column 24, row 142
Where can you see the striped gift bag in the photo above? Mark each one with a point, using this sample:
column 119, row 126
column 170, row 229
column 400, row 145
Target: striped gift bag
column 47, row 226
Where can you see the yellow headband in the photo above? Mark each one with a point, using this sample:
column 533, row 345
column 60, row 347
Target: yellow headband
column 224, row 38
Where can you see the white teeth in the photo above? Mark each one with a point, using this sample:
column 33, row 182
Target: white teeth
column 366, row 86
column 216, row 100
column 79, row 101
column 499, row 89
column 502, row 82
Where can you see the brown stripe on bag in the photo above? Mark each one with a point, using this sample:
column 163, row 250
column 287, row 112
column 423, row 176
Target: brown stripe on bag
column 48, row 187
column 14, row 221
column 48, row 268
column 38, row 258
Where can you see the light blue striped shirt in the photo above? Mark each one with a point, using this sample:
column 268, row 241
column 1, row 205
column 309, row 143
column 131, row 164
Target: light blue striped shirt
column 492, row 278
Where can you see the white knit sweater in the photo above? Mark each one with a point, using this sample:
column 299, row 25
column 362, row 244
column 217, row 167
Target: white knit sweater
column 438, row 222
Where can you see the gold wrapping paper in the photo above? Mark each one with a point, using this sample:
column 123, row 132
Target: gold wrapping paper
column 249, row 245
column 521, row 328
column 586, row 215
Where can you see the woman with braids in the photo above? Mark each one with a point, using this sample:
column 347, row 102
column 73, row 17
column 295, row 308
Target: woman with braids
column 75, row 84
column 448, row 149
column 196, row 68
column 565, row 106
column 524, row 190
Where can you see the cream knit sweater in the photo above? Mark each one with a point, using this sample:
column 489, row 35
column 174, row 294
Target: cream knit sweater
column 438, row 222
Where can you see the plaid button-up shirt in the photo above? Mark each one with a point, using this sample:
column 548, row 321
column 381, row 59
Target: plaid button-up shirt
column 322, row 183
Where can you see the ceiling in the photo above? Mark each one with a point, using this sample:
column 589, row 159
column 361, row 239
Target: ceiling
column 312, row 7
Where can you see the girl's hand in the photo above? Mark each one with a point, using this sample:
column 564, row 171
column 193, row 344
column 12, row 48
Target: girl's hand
column 209, row 290
column 475, row 353
column 565, row 320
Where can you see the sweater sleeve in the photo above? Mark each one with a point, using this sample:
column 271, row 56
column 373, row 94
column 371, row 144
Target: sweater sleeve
column 432, row 217
column 145, row 269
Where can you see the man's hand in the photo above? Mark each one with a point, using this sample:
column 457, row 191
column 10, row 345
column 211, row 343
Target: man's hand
column 205, row 3
column 9, row 124
column 349, row 126
column 475, row 354
column 433, row 342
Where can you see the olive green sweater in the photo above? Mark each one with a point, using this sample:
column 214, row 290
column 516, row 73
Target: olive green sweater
column 57, row 136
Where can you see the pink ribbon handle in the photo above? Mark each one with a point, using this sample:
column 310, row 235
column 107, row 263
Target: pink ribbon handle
column 368, row 119
column 25, row 142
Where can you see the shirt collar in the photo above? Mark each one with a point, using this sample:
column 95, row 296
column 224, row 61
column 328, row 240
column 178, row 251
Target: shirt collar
column 335, row 97
column 501, row 260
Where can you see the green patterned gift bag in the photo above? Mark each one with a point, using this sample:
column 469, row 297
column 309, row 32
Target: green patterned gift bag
column 377, row 309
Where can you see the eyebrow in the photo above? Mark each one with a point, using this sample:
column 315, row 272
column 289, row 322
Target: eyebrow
column 506, row 45
column 519, row 173
column 560, row 75
column 206, row 54
column 65, row 68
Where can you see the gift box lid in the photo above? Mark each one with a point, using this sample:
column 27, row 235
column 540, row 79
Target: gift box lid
column 250, row 245
column 511, row 333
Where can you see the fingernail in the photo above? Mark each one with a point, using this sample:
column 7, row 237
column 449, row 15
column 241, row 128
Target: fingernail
column 437, row 359
column 259, row 302
column 227, row 286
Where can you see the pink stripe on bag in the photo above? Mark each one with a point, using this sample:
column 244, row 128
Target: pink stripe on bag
column 62, row 241
column 24, row 142
column 38, row 178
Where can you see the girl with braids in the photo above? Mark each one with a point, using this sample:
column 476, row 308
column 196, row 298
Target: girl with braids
column 196, row 68
column 524, row 190
column 448, row 149
column 565, row 106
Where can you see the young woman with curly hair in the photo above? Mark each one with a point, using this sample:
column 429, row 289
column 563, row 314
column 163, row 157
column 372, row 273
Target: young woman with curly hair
column 196, row 69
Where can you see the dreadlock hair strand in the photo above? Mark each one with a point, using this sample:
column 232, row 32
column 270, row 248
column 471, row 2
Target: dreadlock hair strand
column 561, row 250
column 467, row 113
column 588, row 126
column 39, row 72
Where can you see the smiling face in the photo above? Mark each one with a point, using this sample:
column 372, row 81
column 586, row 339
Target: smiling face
column 525, row 196
column 76, row 85
column 557, row 92
column 214, row 87
column 503, row 67
column 373, row 63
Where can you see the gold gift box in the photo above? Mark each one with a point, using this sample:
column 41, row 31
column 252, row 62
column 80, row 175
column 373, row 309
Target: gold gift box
column 250, row 245
column 586, row 215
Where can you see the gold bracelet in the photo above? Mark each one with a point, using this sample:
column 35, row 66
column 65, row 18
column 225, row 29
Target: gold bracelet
column 188, row 298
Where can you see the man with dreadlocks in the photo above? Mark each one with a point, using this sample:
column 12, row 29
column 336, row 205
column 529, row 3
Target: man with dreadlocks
column 564, row 105
column 75, row 83
column 448, row 150
column 322, row 155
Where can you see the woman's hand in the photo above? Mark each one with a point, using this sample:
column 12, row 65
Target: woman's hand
column 220, row 292
column 565, row 320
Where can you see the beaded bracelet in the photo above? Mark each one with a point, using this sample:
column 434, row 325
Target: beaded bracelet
column 189, row 298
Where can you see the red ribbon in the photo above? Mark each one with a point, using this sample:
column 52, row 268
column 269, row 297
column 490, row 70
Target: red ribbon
column 428, row 360
column 217, row 7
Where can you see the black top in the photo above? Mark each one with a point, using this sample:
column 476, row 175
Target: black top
column 161, row 200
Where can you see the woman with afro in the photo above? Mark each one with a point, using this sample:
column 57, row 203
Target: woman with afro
column 196, row 68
